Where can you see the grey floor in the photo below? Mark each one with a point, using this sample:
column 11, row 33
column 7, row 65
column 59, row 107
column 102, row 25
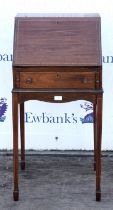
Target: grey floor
column 56, row 182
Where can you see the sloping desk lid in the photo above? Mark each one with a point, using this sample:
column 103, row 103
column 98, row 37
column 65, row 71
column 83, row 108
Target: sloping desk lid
column 72, row 40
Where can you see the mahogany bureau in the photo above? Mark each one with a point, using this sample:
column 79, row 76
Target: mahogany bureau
column 57, row 59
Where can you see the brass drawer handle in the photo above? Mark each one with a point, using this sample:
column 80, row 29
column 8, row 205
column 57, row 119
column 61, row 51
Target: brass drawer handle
column 97, row 81
column 84, row 80
column 17, row 80
column 29, row 81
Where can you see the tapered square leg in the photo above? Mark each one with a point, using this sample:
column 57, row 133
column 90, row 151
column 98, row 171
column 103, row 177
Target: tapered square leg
column 15, row 145
column 94, row 130
column 22, row 132
column 98, row 196
column 16, row 195
column 98, row 147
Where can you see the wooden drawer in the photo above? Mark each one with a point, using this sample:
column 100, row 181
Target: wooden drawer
column 57, row 80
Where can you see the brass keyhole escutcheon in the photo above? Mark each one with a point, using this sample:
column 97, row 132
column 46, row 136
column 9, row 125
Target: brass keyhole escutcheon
column 57, row 76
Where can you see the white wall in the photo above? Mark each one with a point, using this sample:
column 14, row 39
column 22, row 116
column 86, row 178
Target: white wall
column 55, row 126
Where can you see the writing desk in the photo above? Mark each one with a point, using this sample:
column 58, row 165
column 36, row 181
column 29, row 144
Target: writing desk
column 57, row 59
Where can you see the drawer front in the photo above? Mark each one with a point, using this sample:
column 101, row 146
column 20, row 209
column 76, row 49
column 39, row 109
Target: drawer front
column 57, row 80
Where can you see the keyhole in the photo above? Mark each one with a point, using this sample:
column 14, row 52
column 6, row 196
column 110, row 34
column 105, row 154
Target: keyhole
column 58, row 76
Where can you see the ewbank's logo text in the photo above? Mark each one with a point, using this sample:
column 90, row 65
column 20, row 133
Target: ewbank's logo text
column 6, row 57
column 47, row 118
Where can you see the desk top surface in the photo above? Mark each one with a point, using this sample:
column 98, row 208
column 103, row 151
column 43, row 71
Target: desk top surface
column 59, row 40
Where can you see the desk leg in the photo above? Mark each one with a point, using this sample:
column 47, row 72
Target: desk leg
column 98, row 147
column 15, row 145
column 22, row 136
column 94, row 130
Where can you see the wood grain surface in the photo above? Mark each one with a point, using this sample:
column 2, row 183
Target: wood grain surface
column 54, row 41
